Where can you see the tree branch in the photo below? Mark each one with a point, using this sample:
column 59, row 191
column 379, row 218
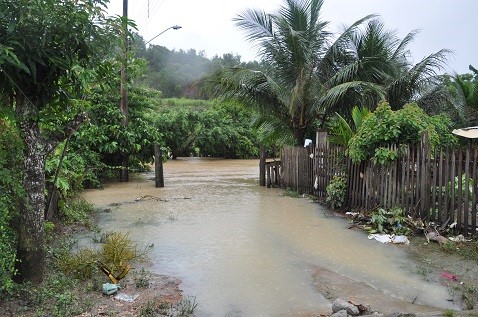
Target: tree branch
column 53, row 140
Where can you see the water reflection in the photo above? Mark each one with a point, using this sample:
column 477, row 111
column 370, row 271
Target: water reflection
column 245, row 250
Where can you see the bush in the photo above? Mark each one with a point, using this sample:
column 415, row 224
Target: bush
column 11, row 193
column 405, row 126
column 336, row 191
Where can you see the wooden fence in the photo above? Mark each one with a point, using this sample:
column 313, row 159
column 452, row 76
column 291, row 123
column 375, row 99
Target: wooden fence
column 436, row 185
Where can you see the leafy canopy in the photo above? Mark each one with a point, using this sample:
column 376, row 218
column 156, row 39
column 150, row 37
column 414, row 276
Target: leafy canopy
column 404, row 126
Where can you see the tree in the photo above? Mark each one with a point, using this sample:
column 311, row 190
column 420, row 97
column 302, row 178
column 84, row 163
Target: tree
column 465, row 89
column 295, row 86
column 371, row 53
column 47, row 49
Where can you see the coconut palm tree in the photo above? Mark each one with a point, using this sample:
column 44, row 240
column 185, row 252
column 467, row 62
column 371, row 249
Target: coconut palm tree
column 465, row 89
column 377, row 55
column 299, row 57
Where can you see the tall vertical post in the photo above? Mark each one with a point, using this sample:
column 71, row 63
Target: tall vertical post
column 262, row 165
column 124, row 174
column 158, row 166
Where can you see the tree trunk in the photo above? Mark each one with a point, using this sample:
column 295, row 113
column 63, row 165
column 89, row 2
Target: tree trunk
column 299, row 134
column 31, row 234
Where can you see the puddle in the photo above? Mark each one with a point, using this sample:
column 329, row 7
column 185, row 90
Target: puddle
column 245, row 250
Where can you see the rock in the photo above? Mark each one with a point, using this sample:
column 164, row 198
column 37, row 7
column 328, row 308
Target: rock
column 340, row 313
column 341, row 304
column 374, row 314
column 401, row 315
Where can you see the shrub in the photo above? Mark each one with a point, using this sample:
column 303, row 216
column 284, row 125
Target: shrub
column 336, row 191
column 11, row 192
column 405, row 126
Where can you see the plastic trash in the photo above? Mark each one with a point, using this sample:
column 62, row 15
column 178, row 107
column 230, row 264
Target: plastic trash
column 110, row 288
column 126, row 298
column 449, row 276
column 389, row 238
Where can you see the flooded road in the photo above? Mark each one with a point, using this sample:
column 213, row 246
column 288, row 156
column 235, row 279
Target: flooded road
column 245, row 250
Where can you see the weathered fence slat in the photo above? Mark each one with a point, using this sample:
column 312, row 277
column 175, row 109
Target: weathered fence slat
column 439, row 185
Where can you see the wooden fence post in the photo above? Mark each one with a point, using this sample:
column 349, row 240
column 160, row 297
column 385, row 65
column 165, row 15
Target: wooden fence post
column 262, row 165
column 158, row 166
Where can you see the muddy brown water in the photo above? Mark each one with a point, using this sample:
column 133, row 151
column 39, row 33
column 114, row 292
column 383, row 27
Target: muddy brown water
column 245, row 250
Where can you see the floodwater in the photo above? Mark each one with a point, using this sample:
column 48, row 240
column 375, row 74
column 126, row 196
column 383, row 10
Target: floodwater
column 245, row 250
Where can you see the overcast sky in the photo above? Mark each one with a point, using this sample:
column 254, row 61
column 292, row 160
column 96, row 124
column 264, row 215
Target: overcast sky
column 207, row 24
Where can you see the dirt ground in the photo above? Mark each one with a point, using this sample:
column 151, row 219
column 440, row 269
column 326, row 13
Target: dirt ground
column 433, row 264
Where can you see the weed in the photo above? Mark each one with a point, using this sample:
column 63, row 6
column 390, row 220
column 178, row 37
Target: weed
column 469, row 295
column 389, row 221
column 448, row 313
column 49, row 227
column 424, row 272
column 141, row 278
column 336, row 192
column 81, row 265
column 187, row 305
column 292, row 193
column 154, row 308
column 118, row 250
column 101, row 237
column 76, row 210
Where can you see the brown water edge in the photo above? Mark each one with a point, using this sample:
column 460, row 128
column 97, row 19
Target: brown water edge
column 245, row 250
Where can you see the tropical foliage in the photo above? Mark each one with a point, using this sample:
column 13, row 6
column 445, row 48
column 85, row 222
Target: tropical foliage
column 206, row 128
column 48, row 52
column 10, row 193
column 464, row 88
column 312, row 74
column 341, row 131
column 404, row 126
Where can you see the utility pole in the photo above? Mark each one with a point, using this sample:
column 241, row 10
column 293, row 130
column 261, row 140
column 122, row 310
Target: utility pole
column 124, row 174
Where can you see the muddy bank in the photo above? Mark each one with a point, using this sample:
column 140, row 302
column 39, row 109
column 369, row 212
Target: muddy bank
column 333, row 285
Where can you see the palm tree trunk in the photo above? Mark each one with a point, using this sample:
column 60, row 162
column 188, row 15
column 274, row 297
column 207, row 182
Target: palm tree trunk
column 299, row 134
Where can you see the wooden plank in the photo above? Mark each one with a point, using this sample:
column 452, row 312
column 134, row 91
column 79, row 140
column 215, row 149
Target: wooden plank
column 452, row 207
column 473, row 230
column 466, row 191
column 459, row 209
column 440, row 188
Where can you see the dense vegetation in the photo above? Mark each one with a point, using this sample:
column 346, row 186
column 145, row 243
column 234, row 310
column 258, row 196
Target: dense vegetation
column 61, row 128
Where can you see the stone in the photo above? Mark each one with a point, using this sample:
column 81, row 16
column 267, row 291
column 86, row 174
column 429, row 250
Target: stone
column 340, row 313
column 341, row 304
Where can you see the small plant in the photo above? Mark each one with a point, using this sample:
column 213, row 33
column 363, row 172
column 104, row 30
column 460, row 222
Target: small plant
column 469, row 296
column 336, row 192
column 81, row 265
column 448, row 313
column 186, row 306
column 49, row 227
column 75, row 210
column 391, row 221
column 155, row 308
column 141, row 278
column 118, row 250
column 291, row 193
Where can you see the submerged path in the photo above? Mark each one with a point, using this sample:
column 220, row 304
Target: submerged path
column 245, row 250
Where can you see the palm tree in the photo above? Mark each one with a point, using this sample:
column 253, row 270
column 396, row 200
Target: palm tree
column 377, row 55
column 300, row 57
column 465, row 89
